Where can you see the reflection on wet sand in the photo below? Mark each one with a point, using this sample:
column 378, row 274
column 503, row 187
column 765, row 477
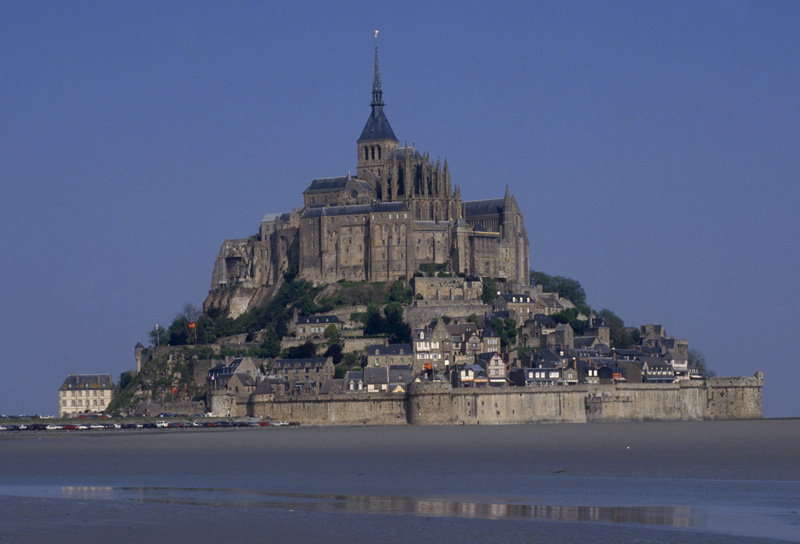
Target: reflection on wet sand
column 367, row 504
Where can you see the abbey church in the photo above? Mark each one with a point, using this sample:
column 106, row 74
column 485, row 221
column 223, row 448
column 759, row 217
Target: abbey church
column 399, row 211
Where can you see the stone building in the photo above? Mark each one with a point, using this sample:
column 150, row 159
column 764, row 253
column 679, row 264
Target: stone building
column 400, row 211
column 85, row 393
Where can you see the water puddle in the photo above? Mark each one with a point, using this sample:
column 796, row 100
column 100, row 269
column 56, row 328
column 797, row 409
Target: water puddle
column 733, row 520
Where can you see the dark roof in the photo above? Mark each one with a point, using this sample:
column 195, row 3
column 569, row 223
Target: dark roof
column 400, row 152
column 264, row 388
column 318, row 319
column 298, row 363
column 87, row 381
column 390, row 207
column 319, row 211
column 336, row 184
column 517, row 297
column 401, row 374
column 377, row 127
column 354, row 375
column 391, row 349
column 376, row 374
column 327, row 184
column 542, row 319
column 494, row 206
column 583, row 342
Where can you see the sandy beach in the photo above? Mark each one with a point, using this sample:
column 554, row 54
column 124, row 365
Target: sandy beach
column 626, row 482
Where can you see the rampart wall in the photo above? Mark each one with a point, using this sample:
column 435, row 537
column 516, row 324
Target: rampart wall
column 436, row 403
column 366, row 409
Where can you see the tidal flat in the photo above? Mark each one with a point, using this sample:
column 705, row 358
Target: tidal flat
column 711, row 481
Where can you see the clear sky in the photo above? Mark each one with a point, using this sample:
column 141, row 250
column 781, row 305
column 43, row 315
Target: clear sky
column 654, row 148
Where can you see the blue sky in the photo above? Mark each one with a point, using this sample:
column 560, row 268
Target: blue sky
column 653, row 147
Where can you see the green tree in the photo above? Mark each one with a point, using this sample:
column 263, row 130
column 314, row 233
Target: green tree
column 698, row 360
column 335, row 351
column 375, row 324
column 570, row 315
column 567, row 288
column 399, row 329
column 507, row 329
column 159, row 336
column 398, row 292
column 303, row 351
column 331, row 332
column 621, row 337
column 489, row 290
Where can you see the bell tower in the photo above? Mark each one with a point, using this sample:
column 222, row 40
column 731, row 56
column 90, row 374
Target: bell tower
column 377, row 140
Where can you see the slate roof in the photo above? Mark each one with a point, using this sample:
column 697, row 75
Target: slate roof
column 319, row 211
column 403, row 374
column 297, row 363
column 376, row 375
column 399, row 153
column 543, row 320
column 264, row 388
column 87, row 381
column 517, row 297
column 336, row 184
column 390, row 207
column 317, row 319
column 493, row 206
column 377, row 127
column 583, row 342
column 391, row 349
column 354, row 375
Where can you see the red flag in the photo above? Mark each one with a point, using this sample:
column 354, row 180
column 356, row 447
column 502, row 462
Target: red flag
column 192, row 325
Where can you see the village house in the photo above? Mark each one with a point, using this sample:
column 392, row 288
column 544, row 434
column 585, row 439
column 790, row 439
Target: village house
column 354, row 381
column 490, row 340
column 496, row 368
column 303, row 376
column 85, row 393
column 469, row 375
column 429, row 344
column 520, row 306
column 313, row 326
column 388, row 355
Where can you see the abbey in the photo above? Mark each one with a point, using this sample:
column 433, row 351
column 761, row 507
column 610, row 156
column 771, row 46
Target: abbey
column 399, row 211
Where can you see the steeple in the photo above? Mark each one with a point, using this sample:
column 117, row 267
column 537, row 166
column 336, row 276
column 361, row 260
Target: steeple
column 377, row 93
column 377, row 127
column 377, row 140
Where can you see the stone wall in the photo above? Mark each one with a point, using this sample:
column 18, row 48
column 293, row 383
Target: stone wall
column 353, row 409
column 419, row 315
column 436, row 403
column 734, row 398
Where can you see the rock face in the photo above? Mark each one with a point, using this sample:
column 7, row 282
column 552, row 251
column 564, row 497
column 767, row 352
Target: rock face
column 401, row 211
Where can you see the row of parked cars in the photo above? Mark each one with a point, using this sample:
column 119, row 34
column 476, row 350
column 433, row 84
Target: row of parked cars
column 159, row 424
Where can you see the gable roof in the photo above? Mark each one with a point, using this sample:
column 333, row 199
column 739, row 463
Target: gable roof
column 317, row 319
column 87, row 381
column 391, row 349
column 493, row 206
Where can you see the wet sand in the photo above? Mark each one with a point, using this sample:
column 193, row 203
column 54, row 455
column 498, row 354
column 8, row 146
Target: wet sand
column 626, row 482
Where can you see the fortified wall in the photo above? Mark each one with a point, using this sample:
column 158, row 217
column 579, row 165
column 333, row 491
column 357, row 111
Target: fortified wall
column 437, row 403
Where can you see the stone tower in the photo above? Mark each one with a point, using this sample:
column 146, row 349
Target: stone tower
column 377, row 140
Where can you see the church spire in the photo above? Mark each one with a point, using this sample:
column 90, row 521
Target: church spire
column 377, row 93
